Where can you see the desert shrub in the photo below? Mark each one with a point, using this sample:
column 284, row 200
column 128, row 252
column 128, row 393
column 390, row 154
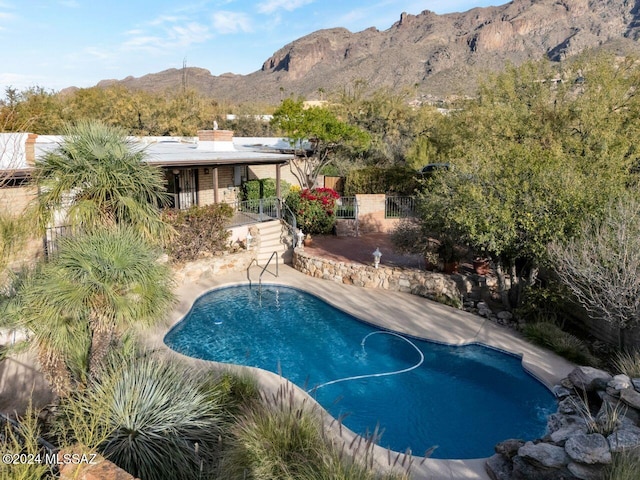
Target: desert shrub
column 399, row 180
column 263, row 188
column 569, row 346
column 199, row 230
column 282, row 438
column 23, row 439
column 628, row 363
column 151, row 417
column 315, row 209
column 625, row 466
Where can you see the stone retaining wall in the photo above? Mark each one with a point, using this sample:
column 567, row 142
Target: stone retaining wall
column 215, row 265
column 435, row 286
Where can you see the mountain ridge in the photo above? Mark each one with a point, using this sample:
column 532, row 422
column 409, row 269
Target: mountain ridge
column 437, row 55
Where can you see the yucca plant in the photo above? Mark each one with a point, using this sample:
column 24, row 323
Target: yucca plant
column 149, row 416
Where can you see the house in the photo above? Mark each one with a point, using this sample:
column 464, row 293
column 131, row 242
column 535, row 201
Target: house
column 202, row 170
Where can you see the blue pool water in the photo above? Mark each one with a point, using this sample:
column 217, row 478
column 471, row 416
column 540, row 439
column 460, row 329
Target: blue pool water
column 463, row 400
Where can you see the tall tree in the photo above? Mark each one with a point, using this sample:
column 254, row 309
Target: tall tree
column 97, row 177
column 315, row 134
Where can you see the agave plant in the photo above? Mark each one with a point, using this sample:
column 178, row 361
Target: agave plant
column 149, row 416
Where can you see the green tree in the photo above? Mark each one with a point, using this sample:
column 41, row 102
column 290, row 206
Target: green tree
column 96, row 177
column 532, row 157
column 315, row 134
column 81, row 303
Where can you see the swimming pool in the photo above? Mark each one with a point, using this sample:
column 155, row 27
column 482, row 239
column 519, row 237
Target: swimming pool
column 462, row 399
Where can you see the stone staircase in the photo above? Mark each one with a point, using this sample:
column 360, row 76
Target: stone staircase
column 273, row 236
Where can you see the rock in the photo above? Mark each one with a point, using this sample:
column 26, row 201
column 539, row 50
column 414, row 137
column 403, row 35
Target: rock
column 588, row 378
column 558, row 421
column 505, row 315
column 544, row 455
column 586, row 472
column 567, row 406
column 630, row 397
column 523, row 470
column 498, row 467
column 636, row 383
column 588, row 448
column 626, row 437
column 509, row 448
column 619, row 382
column 561, row 392
column 560, row 436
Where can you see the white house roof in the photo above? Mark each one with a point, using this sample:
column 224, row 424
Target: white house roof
column 163, row 151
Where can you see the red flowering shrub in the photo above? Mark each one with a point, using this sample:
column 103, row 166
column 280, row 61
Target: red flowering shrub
column 315, row 209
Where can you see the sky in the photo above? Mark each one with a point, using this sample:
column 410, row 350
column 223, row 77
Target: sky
column 56, row 44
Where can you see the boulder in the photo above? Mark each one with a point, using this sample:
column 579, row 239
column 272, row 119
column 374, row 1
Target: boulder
column 523, row 470
column 505, row 315
column 630, row 397
column 509, row 448
column 567, row 406
column 636, row 384
column 561, row 392
column 589, row 378
column 499, row 467
column 560, row 436
column 627, row 437
column 586, row 472
column 588, row 448
column 619, row 382
column 544, row 455
column 558, row 421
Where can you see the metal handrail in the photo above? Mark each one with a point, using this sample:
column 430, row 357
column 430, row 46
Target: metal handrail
column 263, row 270
column 293, row 227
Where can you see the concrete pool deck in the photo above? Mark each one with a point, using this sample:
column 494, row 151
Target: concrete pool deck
column 401, row 312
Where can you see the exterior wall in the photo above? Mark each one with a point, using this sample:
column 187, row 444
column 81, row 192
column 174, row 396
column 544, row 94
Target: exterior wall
column 205, row 186
column 15, row 200
column 435, row 286
column 269, row 171
column 371, row 214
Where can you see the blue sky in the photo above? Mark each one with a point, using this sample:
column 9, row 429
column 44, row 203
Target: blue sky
column 59, row 43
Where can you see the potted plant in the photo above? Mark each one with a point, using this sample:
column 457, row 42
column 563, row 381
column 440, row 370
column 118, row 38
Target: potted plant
column 450, row 255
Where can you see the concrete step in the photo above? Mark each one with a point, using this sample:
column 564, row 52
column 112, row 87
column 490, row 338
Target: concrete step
column 274, row 237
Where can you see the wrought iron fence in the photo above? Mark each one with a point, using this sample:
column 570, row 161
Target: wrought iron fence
column 399, row 207
column 254, row 211
column 347, row 208
column 51, row 237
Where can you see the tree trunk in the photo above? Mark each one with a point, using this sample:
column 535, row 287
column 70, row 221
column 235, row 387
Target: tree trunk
column 101, row 337
column 502, row 283
column 56, row 372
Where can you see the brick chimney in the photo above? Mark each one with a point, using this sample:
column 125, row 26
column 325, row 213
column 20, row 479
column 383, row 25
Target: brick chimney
column 30, row 149
column 216, row 140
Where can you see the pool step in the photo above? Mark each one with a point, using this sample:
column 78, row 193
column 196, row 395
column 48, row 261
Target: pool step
column 273, row 237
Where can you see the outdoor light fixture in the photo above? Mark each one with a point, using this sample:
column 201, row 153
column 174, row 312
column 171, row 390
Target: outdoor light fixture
column 300, row 236
column 176, row 171
column 376, row 257
column 206, row 171
column 249, row 238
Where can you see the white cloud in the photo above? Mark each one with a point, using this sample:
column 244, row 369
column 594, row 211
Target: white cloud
column 231, row 22
column 184, row 35
column 271, row 6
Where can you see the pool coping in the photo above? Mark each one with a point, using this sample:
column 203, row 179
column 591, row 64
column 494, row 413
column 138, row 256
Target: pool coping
column 420, row 318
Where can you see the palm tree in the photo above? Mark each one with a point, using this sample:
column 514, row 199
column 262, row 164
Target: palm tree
column 97, row 177
column 99, row 286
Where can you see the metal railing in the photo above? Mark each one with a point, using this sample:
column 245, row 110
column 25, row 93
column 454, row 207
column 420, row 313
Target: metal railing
column 399, row 207
column 289, row 218
column 274, row 254
column 51, row 236
column 254, row 211
column 347, row 208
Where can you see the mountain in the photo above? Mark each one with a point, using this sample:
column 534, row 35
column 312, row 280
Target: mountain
column 441, row 55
